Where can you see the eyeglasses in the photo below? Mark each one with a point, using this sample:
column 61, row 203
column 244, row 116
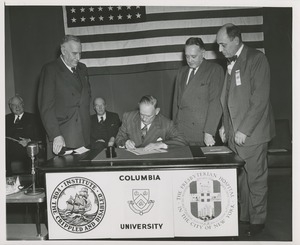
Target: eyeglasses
column 147, row 116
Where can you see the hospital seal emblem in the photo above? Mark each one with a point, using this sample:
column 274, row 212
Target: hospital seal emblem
column 77, row 205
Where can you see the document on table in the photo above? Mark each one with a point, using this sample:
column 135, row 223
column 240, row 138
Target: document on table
column 141, row 151
column 215, row 150
column 79, row 150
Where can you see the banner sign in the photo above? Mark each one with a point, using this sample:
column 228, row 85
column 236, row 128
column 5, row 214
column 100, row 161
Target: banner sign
column 141, row 204
column 205, row 203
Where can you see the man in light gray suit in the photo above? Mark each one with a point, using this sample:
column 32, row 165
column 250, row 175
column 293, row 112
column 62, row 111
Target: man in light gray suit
column 147, row 128
column 248, row 122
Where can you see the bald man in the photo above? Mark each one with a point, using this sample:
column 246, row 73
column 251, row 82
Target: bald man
column 248, row 123
column 104, row 124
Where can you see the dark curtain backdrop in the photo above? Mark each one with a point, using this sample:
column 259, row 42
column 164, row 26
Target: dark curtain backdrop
column 35, row 36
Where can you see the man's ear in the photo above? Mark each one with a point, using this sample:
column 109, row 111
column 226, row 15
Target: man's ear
column 236, row 40
column 62, row 50
column 157, row 111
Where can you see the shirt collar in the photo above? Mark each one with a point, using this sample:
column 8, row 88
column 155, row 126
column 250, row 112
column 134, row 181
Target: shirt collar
column 69, row 67
column 148, row 126
column 20, row 116
column 239, row 51
column 104, row 117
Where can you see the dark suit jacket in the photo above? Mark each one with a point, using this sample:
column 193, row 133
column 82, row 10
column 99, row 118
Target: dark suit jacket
column 64, row 105
column 161, row 128
column 249, row 105
column 109, row 128
column 196, row 106
column 26, row 128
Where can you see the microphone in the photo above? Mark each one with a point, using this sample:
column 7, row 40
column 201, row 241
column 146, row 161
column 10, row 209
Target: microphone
column 111, row 142
column 32, row 149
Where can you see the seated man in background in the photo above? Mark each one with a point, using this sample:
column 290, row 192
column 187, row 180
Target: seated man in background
column 104, row 124
column 147, row 128
column 21, row 128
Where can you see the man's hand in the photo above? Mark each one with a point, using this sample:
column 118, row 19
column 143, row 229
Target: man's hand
column 58, row 144
column 222, row 134
column 209, row 139
column 130, row 145
column 24, row 142
column 154, row 146
column 240, row 138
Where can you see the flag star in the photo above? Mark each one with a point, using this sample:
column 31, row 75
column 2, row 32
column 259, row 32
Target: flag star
column 110, row 8
column 111, row 17
column 73, row 10
column 128, row 7
column 92, row 18
column 120, row 17
column 82, row 19
column 82, row 10
column 100, row 8
column 101, row 18
column 73, row 20
column 138, row 15
column 91, row 9
column 119, row 7
column 137, row 7
column 129, row 16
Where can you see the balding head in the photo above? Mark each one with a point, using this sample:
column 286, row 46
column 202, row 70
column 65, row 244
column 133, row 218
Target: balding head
column 99, row 106
column 16, row 105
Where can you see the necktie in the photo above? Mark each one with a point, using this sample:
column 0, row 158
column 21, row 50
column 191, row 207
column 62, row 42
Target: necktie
column 75, row 73
column 144, row 131
column 101, row 120
column 231, row 59
column 17, row 121
column 192, row 74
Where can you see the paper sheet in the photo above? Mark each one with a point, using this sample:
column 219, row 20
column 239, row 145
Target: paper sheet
column 141, row 151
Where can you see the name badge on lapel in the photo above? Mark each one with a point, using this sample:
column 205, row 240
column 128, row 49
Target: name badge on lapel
column 238, row 78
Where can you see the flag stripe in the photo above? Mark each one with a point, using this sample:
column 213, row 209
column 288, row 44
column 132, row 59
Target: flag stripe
column 178, row 41
column 152, row 49
column 160, row 39
column 144, row 58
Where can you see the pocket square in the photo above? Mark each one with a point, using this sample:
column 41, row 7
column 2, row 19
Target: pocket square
column 159, row 139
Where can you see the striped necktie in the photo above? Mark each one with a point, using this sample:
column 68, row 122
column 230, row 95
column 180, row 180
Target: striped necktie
column 144, row 131
column 192, row 74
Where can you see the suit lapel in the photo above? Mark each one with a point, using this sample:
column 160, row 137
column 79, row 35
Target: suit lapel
column 152, row 135
column 69, row 78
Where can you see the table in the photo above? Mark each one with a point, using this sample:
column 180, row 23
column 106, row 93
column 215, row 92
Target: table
column 133, row 194
column 19, row 231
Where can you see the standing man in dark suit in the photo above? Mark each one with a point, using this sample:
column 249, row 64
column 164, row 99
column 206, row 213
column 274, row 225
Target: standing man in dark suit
column 147, row 128
column 248, row 123
column 104, row 124
column 196, row 107
column 21, row 128
column 64, row 99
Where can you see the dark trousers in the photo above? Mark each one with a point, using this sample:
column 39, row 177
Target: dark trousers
column 252, row 181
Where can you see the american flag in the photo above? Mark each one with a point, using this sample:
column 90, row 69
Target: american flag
column 128, row 39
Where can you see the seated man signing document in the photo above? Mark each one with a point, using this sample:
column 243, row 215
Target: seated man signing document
column 147, row 128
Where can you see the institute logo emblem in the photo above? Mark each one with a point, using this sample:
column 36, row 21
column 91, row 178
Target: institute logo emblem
column 206, row 200
column 78, row 205
column 141, row 203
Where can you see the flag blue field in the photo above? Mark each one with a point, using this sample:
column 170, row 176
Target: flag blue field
column 129, row 39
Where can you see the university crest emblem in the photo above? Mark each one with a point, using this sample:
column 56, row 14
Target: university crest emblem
column 140, row 203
